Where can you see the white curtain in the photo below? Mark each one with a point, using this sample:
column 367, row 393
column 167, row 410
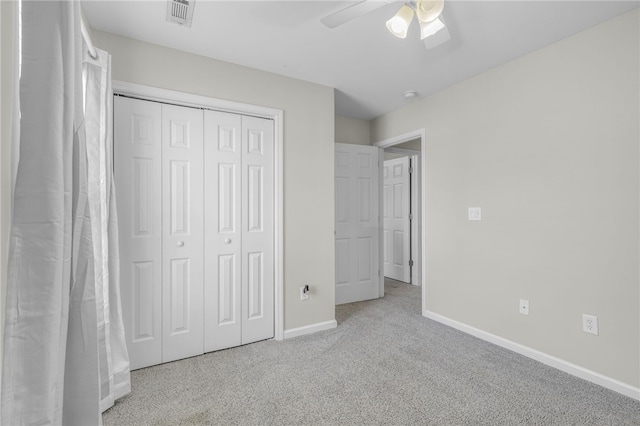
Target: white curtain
column 64, row 354
column 114, row 360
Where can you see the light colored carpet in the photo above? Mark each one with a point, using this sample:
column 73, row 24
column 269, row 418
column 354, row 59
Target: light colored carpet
column 383, row 364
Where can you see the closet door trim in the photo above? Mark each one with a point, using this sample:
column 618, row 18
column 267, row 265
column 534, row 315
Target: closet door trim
column 197, row 101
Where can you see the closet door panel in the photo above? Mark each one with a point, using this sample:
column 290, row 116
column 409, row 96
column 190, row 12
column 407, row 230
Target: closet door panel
column 223, row 233
column 257, row 229
column 183, row 225
column 137, row 156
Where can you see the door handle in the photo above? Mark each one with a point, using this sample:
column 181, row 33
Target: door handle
column 227, row 240
column 180, row 243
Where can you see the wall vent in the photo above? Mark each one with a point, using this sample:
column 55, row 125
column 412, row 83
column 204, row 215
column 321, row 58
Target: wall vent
column 180, row 11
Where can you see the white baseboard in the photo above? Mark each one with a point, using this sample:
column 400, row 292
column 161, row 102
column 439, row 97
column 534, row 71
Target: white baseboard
column 560, row 364
column 308, row 329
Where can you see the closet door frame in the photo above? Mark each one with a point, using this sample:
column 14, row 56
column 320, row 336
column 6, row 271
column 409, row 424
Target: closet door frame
column 197, row 101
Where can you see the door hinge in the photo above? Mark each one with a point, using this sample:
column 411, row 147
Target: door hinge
column 411, row 263
column 410, row 170
column 410, row 216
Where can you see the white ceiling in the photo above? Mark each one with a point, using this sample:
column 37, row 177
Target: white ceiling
column 370, row 68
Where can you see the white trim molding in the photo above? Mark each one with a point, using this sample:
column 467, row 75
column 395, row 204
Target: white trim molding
column 550, row 360
column 277, row 115
column 311, row 328
column 416, row 134
column 189, row 99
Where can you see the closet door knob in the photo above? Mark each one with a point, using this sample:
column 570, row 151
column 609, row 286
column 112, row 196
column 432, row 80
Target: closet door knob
column 180, row 243
column 227, row 241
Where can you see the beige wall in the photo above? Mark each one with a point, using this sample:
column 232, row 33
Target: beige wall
column 352, row 130
column 547, row 146
column 6, row 97
column 308, row 154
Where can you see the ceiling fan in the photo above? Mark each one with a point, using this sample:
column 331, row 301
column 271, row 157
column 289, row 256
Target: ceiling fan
column 433, row 30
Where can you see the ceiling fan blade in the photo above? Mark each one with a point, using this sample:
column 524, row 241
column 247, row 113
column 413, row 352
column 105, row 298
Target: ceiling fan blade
column 355, row 10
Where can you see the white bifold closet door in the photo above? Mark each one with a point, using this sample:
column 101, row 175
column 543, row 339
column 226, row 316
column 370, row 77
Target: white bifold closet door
column 182, row 219
column 240, row 233
column 138, row 176
column 195, row 204
column 158, row 169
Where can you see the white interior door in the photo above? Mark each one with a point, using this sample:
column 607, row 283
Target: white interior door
column 396, row 227
column 357, row 223
column 223, row 240
column 138, row 176
column 182, row 213
column 257, row 230
column 416, row 221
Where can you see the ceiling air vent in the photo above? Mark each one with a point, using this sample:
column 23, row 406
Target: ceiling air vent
column 180, row 11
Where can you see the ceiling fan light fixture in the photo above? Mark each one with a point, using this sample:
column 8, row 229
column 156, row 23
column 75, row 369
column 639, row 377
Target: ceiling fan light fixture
column 428, row 29
column 429, row 10
column 399, row 24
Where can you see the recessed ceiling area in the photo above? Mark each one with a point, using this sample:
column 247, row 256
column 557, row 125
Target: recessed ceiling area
column 370, row 68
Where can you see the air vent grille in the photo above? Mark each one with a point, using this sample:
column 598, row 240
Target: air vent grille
column 180, row 11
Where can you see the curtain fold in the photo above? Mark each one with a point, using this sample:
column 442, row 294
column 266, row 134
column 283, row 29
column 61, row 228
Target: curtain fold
column 39, row 270
column 65, row 360
column 113, row 356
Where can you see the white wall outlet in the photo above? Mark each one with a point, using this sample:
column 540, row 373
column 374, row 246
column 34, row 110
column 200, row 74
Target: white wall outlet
column 590, row 324
column 304, row 292
column 524, row 307
column 475, row 213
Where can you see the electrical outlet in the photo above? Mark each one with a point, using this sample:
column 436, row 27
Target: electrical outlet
column 304, row 295
column 590, row 324
column 524, row 307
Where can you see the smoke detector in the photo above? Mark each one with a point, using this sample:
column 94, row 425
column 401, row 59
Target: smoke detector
column 180, row 11
column 410, row 94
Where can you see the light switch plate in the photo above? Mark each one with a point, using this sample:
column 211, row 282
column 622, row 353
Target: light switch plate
column 475, row 213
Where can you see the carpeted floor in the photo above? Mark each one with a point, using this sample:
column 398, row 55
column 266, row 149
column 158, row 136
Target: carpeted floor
column 383, row 364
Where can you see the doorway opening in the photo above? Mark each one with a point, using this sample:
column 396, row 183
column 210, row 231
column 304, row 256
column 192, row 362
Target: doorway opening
column 403, row 237
column 401, row 212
